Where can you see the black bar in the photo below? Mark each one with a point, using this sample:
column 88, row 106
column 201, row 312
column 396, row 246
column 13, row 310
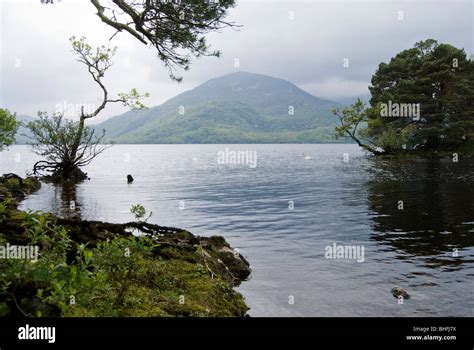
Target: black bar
column 362, row 331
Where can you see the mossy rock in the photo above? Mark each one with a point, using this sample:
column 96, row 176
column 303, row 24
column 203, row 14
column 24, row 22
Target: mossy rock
column 174, row 273
column 15, row 187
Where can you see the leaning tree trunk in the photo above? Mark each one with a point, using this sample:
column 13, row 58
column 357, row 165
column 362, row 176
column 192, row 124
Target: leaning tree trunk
column 69, row 169
column 77, row 140
column 364, row 146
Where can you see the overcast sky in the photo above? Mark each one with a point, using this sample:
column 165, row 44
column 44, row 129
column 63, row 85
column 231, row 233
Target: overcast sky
column 304, row 42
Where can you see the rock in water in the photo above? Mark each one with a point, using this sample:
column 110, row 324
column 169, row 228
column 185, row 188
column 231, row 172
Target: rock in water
column 398, row 292
column 130, row 178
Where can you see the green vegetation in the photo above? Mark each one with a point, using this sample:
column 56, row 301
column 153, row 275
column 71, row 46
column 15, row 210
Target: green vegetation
column 100, row 269
column 236, row 108
column 352, row 118
column 14, row 188
column 69, row 145
column 422, row 103
column 176, row 29
column 8, row 128
column 139, row 212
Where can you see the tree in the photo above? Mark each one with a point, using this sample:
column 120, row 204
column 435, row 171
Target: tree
column 351, row 118
column 175, row 28
column 436, row 77
column 8, row 128
column 69, row 145
column 435, row 81
column 54, row 139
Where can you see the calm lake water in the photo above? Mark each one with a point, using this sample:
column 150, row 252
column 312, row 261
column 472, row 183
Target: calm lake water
column 282, row 213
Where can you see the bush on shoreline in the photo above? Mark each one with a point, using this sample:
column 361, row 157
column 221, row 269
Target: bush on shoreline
column 115, row 273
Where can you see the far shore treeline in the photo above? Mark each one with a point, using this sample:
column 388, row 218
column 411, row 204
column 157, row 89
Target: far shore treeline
column 422, row 104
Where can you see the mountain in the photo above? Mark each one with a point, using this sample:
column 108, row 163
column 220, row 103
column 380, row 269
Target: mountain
column 236, row 108
column 22, row 134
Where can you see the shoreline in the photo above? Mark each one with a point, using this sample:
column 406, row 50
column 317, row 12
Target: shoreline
column 165, row 271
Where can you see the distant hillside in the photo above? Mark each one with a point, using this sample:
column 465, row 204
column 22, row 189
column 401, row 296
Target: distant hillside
column 236, row 108
column 20, row 137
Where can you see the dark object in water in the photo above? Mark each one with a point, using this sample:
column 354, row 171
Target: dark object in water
column 398, row 292
column 130, row 178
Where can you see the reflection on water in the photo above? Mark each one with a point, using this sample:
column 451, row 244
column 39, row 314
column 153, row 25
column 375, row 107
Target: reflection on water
column 60, row 199
column 70, row 207
column 427, row 248
column 424, row 210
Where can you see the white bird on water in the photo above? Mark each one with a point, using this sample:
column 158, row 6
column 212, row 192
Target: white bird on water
column 307, row 157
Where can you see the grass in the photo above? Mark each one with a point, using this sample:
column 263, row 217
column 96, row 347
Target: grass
column 113, row 273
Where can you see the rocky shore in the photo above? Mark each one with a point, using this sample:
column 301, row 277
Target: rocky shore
column 94, row 268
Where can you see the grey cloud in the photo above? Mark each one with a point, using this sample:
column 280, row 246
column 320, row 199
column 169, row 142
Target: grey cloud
column 307, row 50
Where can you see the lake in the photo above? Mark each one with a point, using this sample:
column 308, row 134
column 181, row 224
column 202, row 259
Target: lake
column 285, row 206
